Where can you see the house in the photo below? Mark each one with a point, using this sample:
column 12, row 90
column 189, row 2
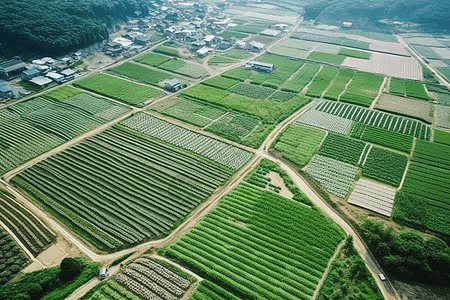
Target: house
column 224, row 45
column 56, row 77
column 280, row 27
column 202, row 52
column 113, row 48
column 255, row 46
column 40, row 81
column 12, row 68
column 209, row 39
column 197, row 45
column 3, row 82
column 30, row 74
column 141, row 40
column 6, row 92
column 260, row 66
column 68, row 74
column 240, row 44
column 173, row 85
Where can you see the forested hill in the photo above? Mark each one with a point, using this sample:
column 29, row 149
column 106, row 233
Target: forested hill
column 57, row 26
column 431, row 13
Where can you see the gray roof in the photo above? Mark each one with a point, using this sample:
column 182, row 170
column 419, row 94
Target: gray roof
column 5, row 89
column 256, row 44
column 262, row 64
column 31, row 72
column 3, row 82
column 12, row 65
column 41, row 80
column 173, row 82
column 67, row 72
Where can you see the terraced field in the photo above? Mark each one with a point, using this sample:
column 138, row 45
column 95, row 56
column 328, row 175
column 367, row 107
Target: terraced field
column 245, row 245
column 120, row 187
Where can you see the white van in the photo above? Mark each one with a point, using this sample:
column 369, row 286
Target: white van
column 382, row 277
column 102, row 274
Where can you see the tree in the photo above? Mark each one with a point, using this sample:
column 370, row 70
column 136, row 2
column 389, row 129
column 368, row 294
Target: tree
column 70, row 268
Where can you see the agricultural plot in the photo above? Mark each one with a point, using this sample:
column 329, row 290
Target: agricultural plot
column 218, row 59
column 385, row 64
column 423, row 199
column 283, row 73
column 417, row 109
column 445, row 72
column 377, row 119
column 35, row 126
column 333, row 175
column 25, row 226
column 12, row 258
column 354, row 53
column 63, row 92
column 236, row 54
column 444, row 53
column 383, row 137
column 429, row 41
column 426, row 52
column 120, row 188
column 329, row 38
column 209, row 290
column 152, row 59
column 343, row 149
column 373, row 196
column 140, row 73
column 408, row 88
column 122, row 90
column 335, row 59
column 443, row 98
column 181, row 67
column 220, row 152
column 150, row 280
column 167, row 51
column 245, row 246
column 252, row 90
column 325, row 121
column 327, row 48
column 363, row 89
column 441, row 137
column 110, row 289
column 338, row 85
column 384, row 166
column 240, row 74
column 432, row 154
column 302, row 78
column 321, row 81
column 299, row 143
column 228, row 34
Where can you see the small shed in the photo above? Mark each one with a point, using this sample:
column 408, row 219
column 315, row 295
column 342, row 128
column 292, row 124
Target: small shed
column 255, row 46
column 68, row 74
column 56, row 77
column 40, row 81
column 30, row 74
column 6, row 92
column 173, row 85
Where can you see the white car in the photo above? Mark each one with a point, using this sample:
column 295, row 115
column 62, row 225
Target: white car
column 382, row 277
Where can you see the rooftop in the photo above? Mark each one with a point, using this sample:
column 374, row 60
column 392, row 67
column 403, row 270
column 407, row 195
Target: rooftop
column 41, row 80
column 12, row 65
column 173, row 82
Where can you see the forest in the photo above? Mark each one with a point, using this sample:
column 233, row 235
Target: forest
column 52, row 27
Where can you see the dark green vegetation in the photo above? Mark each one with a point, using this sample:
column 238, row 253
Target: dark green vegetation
column 152, row 59
column 354, row 53
column 24, row 225
column 302, row 78
column 52, row 283
column 140, row 73
column 62, row 93
column 299, row 143
column 383, row 137
column 321, row 81
column 342, row 148
column 116, row 88
column 384, row 166
column 109, row 289
column 366, row 14
column 407, row 255
column 363, row 89
column 221, row 82
column 408, row 88
column 258, row 244
column 349, row 278
column 167, row 51
column 12, row 259
column 56, row 27
column 334, row 59
column 339, row 83
column 35, row 126
column 424, row 200
column 441, row 137
column 209, row 290
column 120, row 259
column 120, row 187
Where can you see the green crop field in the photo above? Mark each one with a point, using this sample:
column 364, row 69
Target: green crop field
column 236, row 54
column 35, row 126
column 339, row 83
column 252, row 90
column 167, row 51
column 342, row 148
column 299, row 143
column 220, row 82
column 384, row 166
column 363, row 89
column 284, row 72
column 121, row 188
column 247, row 221
column 302, row 78
column 62, row 93
column 181, row 67
column 122, row 90
column 140, row 73
column 240, row 74
column 152, row 59
column 408, row 88
column 321, row 81
column 441, row 137
column 354, row 53
column 219, row 59
column 335, row 59
column 227, row 34
column 383, row 137
column 12, row 253
column 172, row 65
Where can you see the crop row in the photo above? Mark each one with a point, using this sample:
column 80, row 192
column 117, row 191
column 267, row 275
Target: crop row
column 321, row 81
column 408, row 88
column 124, row 188
column 384, row 166
column 363, row 89
column 340, row 82
column 112, row 290
column 213, row 149
column 12, row 259
column 377, row 118
column 432, row 154
column 325, row 121
column 256, row 267
column 252, row 90
column 342, row 148
column 373, row 196
column 302, row 78
column 208, row 290
column 140, row 73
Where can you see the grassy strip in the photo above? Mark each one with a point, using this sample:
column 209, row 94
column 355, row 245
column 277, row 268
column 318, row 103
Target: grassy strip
column 120, row 259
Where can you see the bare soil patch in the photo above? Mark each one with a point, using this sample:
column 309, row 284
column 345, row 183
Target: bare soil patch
column 278, row 181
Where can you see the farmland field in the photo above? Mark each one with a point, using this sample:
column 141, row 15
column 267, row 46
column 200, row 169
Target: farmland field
column 122, row 90
column 167, row 51
column 252, row 90
column 441, row 137
column 333, row 175
column 302, row 78
column 299, row 143
column 383, row 137
column 16, row 258
column 443, row 116
column 321, row 81
column 325, row 121
column 339, row 83
column 245, row 246
column 152, row 59
column 140, row 73
column 227, row 34
column 363, row 89
column 35, row 126
column 62, row 93
column 373, row 196
column 384, row 166
column 376, row 118
column 236, row 54
column 408, row 88
column 209, row 290
column 409, row 107
column 354, row 53
column 120, row 187
column 335, row 59
column 342, row 148
column 25, row 226
column 218, row 59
